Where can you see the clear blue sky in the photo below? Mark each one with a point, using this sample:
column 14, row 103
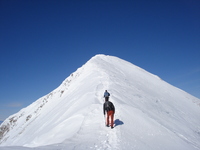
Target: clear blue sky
column 43, row 41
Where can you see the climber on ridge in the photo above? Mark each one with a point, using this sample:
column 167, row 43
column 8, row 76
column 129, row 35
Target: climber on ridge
column 106, row 95
column 109, row 108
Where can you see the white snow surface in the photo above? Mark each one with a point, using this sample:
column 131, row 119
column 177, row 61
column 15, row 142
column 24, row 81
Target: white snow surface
column 150, row 113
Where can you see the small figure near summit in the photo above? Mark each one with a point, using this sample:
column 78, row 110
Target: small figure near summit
column 106, row 95
column 109, row 108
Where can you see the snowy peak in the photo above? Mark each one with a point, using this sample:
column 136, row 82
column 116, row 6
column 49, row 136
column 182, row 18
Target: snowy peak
column 150, row 113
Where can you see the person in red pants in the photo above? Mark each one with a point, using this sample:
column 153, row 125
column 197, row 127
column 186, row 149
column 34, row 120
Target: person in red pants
column 110, row 109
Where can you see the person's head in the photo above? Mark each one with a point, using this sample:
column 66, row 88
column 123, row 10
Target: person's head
column 106, row 91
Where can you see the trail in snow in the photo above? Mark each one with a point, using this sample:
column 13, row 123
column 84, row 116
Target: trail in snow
column 93, row 133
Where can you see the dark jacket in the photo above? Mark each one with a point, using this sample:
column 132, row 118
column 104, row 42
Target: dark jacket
column 108, row 106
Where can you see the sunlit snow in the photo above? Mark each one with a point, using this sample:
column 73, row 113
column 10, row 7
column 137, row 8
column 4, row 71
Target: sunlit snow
column 150, row 113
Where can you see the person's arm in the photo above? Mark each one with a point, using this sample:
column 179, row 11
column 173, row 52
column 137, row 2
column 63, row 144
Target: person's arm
column 104, row 112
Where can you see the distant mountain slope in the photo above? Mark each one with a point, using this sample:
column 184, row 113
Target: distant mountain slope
column 150, row 113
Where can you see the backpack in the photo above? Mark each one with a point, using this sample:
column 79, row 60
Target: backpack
column 108, row 106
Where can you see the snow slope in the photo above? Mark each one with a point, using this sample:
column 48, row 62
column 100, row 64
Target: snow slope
column 150, row 113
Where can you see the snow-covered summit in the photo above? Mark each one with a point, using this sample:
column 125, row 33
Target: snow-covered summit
column 150, row 113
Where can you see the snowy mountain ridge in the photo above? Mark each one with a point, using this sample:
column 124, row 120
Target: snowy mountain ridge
column 35, row 107
column 150, row 113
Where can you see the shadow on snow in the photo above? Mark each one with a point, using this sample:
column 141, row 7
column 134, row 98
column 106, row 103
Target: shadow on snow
column 118, row 122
